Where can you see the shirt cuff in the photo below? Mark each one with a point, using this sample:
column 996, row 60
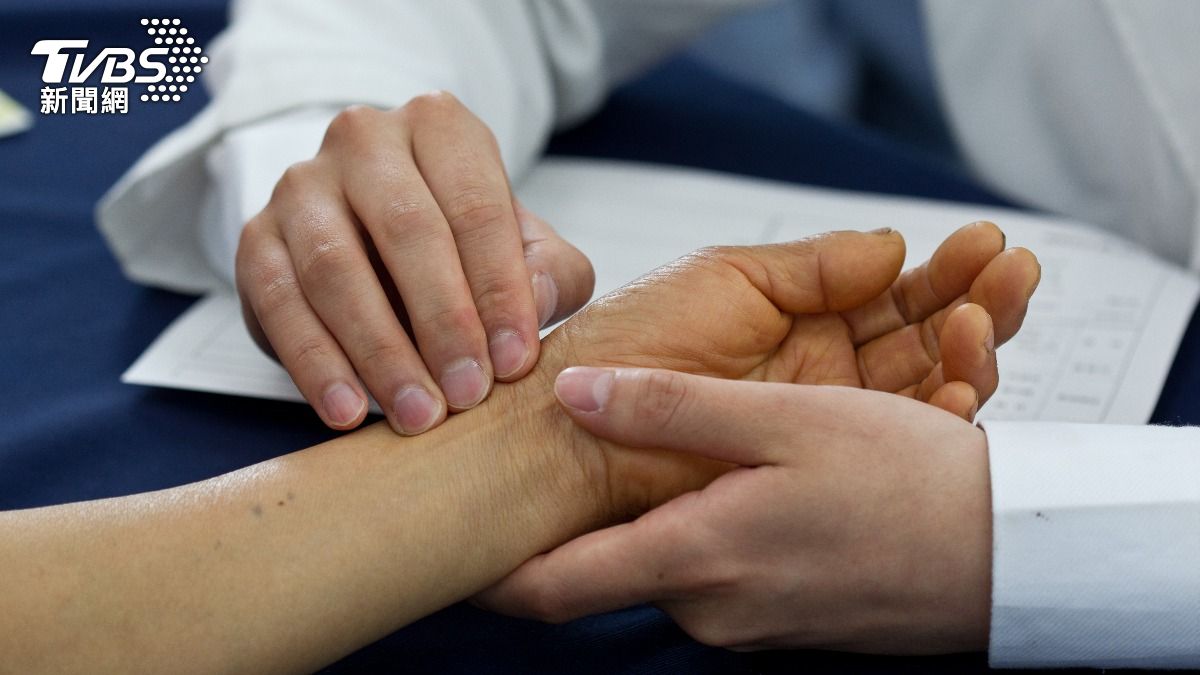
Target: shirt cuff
column 1096, row 545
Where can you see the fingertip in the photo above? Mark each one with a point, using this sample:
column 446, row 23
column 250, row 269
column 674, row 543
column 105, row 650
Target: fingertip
column 465, row 383
column 957, row 398
column 970, row 323
column 894, row 243
column 584, row 389
column 968, row 347
column 342, row 406
column 1032, row 266
column 415, row 410
column 890, row 237
column 512, row 354
column 989, row 341
column 987, row 231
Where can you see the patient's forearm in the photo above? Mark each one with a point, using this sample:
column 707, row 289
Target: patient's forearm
column 288, row 564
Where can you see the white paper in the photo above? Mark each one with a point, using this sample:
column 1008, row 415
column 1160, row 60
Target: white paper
column 14, row 118
column 1097, row 344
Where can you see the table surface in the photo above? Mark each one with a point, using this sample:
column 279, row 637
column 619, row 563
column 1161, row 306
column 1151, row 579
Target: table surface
column 70, row 324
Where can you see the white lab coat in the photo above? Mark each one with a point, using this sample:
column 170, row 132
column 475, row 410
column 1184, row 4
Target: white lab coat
column 1083, row 107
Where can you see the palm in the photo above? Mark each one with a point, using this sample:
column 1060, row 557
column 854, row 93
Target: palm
column 758, row 314
column 704, row 316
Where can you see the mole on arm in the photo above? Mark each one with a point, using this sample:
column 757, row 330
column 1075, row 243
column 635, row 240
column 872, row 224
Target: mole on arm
column 256, row 510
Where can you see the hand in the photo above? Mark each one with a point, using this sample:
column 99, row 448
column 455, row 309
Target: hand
column 861, row 521
column 832, row 309
column 403, row 220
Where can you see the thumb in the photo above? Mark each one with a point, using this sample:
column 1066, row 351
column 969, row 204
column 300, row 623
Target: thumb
column 834, row 272
column 561, row 274
column 725, row 420
column 602, row 571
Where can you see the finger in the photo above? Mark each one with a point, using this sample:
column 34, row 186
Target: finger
column 829, row 272
column 968, row 347
column 387, row 193
column 561, row 275
column 460, row 161
column 1004, row 289
column 931, row 286
column 606, row 570
column 339, row 283
column 906, row 356
column 273, row 303
column 726, row 420
column 957, row 398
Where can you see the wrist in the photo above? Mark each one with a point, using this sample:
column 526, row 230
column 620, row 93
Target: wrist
column 602, row 481
column 557, row 472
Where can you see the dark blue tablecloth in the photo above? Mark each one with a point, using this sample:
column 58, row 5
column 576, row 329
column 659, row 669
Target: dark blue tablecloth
column 70, row 324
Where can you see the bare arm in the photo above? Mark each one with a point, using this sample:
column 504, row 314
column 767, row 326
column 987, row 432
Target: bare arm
column 290, row 563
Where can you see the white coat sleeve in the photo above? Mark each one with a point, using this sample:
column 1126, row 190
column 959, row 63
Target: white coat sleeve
column 1096, row 545
column 1082, row 107
column 522, row 66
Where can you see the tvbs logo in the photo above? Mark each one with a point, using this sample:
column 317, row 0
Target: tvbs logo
column 167, row 70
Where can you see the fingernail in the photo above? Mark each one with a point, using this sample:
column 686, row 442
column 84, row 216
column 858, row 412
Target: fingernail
column 989, row 343
column 882, row 231
column 584, row 389
column 509, row 352
column 415, row 409
column 342, row 405
column 545, row 297
column 464, row 383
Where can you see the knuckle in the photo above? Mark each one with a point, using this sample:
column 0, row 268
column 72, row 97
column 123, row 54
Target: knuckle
column 662, row 398
column 376, row 353
column 472, row 210
column 276, row 290
column 713, row 253
column 433, row 104
column 453, row 319
column 251, row 243
column 297, row 180
column 328, row 256
column 496, row 291
column 350, row 123
column 719, row 259
column 309, row 351
column 401, row 217
column 267, row 281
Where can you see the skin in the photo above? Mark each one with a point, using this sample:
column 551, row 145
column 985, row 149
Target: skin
column 397, row 262
column 289, row 564
column 829, row 536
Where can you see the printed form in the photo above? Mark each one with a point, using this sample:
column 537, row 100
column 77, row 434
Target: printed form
column 1096, row 346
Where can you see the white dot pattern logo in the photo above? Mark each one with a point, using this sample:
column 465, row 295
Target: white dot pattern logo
column 171, row 34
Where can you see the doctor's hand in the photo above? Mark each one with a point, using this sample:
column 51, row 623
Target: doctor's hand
column 398, row 259
column 858, row 520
